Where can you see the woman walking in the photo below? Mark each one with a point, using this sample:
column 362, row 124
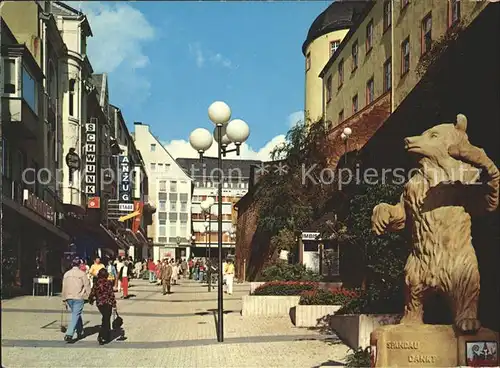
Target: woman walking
column 102, row 293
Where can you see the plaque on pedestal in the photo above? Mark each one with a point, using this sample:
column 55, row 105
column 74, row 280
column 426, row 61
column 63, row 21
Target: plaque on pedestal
column 432, row 346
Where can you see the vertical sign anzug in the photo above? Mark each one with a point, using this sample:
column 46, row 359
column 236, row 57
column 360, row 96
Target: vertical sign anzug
column 125, row 189
column 90, row 158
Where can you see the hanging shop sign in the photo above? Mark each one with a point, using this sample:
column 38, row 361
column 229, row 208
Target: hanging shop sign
column 94, row 202
column 73, row 162
column 310, row 236
column 90, row 158
column 38, row 206
column 136, row 224
column 125, row 186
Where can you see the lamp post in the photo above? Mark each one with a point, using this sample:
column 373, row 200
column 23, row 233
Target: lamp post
column 226, row 132
column 206, row 206
column 345, row 137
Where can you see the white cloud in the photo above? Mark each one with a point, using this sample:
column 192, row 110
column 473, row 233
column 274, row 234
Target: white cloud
column 195, row 50
column 182, row 148
column 120, row 32
column 295, row 117
column 201, row 55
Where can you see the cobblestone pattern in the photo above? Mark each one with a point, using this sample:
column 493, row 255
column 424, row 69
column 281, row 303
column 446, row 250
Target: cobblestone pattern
column 177, row 330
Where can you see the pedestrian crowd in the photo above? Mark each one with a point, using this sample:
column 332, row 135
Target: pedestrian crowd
column 99, row 282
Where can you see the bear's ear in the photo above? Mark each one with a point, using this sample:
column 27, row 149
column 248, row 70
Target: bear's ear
column 461, row 122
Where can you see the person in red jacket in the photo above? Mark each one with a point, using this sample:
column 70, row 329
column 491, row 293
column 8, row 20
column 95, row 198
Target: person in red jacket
column 152, row 270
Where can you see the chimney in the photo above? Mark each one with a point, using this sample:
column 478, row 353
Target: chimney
column 137, row 122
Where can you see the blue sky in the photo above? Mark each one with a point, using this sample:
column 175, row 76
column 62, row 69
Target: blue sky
column 167, row 61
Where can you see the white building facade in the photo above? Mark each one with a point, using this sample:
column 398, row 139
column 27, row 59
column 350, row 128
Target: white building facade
column 204, row 174
column 76, row 84
column 170, row 191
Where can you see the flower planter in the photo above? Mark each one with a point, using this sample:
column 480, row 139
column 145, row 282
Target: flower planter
column 312, row 315
column 255, row 284
column 355, row 329
column 268, row 305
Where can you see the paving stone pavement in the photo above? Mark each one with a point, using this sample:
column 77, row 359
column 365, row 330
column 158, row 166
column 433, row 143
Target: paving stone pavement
column 177, row 330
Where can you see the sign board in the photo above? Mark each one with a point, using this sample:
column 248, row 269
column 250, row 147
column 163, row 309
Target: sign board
column 126, row 207
column 38, row 206
column 94, row 202
column 91, row 157
column 125, row 185
column 310, row 236
column 136, row 224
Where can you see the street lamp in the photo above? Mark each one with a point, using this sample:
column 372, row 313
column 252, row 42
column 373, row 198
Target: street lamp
column 226, row 132
column 345, row 137
column 206, row 206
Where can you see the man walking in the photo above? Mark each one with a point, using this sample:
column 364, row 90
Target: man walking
column 94, row 269
column 166, row 276
column 75, row 290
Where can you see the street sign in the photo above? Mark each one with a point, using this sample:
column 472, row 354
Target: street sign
column 310, row 236
column 129, row 216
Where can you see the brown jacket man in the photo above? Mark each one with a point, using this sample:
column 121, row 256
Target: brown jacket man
column 165, row 276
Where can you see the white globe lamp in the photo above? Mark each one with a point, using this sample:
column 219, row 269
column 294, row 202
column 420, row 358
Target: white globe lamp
column 225, row 139
column 206, row 224
column 211, row 201
column 237, row 131
column 343, row 136
column 347, row 131
column 200, row 139
column 219, row 112
column 205, row 205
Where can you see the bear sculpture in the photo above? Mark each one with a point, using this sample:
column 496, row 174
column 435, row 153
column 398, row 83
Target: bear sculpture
column 453, row 181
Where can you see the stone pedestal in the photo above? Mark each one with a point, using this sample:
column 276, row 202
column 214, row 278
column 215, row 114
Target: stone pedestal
column 425, row 346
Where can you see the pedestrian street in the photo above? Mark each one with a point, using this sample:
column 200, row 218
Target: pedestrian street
column 176, row 330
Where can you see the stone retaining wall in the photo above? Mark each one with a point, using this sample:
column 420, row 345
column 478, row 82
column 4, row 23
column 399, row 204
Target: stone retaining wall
column 312, row 315
column 268, row 305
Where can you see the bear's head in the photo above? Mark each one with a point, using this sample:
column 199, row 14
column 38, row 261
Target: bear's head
column 434, row 143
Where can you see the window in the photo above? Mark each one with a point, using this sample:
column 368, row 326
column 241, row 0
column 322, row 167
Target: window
column 29, row 90
column 355, row 104
column 208, row 184
column 163, row 205
column 426, row 41
column 163, row 231
column 404, row 4
column 387, row 75
column 370, row 91
column 9, row 76
column 329, row 89
column 341, row 72
column 72, row 97
column 173, row 206
column 167, row 166
column 341, row 116
column 334, row 45
column 369, row 36
column 355, row 55
column 405, row 56
column 153, row 147
column 387, row 14
column 163, row 185
column 308, row 61
column 152, row 166
column 183, row 231
column 183, row 206
column 454, row 11
column 160, row 167
column 173, row 229
column 164, row 221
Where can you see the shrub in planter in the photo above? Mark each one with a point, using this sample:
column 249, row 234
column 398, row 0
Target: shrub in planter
column 374, row 301
column 285, row 288
column 282, row 271
column 327, row 297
